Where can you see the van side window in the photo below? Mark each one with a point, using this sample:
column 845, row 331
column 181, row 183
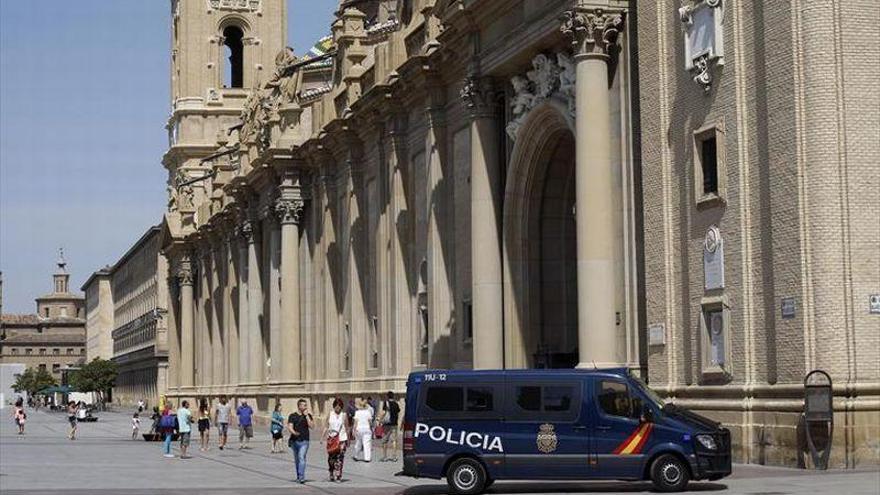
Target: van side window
column 614, row 400
column 528, row 398
column 445, row 399
column 546, row 398
column 558, row 398
column 479, row 399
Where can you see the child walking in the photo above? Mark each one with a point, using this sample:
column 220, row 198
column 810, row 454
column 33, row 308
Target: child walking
column 135, row 426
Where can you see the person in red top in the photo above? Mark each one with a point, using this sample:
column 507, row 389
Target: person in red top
column 19, row 416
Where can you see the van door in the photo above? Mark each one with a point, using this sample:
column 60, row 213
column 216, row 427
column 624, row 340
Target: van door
column 460, row 417
column 545, row 430
column 619, row 435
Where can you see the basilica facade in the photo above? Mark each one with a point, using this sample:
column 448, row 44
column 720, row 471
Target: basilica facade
column 522, row 184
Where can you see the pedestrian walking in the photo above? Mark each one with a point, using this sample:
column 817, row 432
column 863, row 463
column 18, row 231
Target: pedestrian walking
column 336, row 436
column 277, row 429
column 184, row 427
column 390, row 421
column 19, row 416
column 167, row 425
column 363, row 431
column 135, row 425
column 299, row 424
column 204, row 425
column 245, row 425
column 221, row 418
column 71, row 418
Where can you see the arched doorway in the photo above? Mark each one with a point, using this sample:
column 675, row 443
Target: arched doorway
column 540, row 244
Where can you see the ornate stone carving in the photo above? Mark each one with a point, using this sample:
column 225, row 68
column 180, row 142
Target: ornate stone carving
column 480, row 96
column 246, row 5
column 247, row 231
column 286, row 80
column 703, row 39
column 592, row 32
column 290, row 210
column 550, row 77
column 185, row 274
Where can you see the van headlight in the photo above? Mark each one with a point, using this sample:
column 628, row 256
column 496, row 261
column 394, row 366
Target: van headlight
column 707, row 441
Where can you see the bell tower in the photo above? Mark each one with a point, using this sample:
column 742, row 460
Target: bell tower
column 220, row 51
column 219, row 45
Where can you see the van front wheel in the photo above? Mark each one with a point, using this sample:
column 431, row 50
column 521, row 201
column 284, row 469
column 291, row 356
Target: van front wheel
column 669, row 474
column 466, row 477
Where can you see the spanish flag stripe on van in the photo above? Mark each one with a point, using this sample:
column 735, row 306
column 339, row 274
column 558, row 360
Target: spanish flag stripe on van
column 636, row 441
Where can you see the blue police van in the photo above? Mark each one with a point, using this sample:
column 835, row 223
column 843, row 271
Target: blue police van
column 475, row 427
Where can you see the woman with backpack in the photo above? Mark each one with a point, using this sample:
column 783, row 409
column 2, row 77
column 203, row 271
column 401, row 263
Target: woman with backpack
column 336, row 435
column 167, row 425
column 277, row 429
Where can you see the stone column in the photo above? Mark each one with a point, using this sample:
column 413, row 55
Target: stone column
column 594, row 36
column 231, row 281
column 252, row 333
column 486, row 283
column 290, row 214
column 246, row 237
column 187, row 365
column 275, row 295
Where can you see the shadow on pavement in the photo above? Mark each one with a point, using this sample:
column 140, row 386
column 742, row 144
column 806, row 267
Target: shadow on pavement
column 556, row 487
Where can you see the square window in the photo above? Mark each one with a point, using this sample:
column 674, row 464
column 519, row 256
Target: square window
column 56, row 368
column 709, row 166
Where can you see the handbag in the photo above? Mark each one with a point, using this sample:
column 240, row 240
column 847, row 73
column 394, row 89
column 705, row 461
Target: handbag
column 380, row 431
column 333, row 446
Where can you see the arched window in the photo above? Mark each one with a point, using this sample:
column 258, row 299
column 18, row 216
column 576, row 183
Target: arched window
column 233, row 76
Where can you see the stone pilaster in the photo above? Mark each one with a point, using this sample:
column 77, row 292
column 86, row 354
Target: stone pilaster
column 593, row 33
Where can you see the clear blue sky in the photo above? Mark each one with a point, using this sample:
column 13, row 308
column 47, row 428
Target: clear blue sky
column 83, row 103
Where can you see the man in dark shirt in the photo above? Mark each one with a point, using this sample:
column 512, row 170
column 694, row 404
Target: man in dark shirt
column 390, row 420
column 298, row 424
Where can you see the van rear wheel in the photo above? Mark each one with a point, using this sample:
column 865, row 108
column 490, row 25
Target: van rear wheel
column 669, row 474
column 466, row 476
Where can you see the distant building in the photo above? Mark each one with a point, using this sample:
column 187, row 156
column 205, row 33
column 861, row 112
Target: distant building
column 54, row 337
column 125, row 304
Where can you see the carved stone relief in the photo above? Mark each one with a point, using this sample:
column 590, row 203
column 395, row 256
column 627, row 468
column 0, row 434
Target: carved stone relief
column 246, row 5
column 703, row 22
column 549, row 77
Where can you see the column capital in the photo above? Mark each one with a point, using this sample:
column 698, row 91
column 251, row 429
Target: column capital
column 593, row 31
column 290, row 211
column 185, row 274
column 247, row 231
column 480, row 96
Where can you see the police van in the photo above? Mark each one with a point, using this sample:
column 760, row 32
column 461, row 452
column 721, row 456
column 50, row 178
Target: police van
column 475, row 427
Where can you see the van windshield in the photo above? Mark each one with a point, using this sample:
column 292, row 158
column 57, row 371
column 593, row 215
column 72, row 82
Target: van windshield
column 646, row 390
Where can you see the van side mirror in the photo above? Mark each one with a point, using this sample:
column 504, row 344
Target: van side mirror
column 647, row 414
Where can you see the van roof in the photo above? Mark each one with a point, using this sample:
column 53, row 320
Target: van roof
column 482, row 375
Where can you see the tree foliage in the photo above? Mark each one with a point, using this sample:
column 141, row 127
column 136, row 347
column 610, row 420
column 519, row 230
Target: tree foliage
column 96, row 376
column 33, row 380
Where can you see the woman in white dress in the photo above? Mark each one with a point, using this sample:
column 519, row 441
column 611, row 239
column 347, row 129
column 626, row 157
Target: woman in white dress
column 363, row 431
column 337, row 427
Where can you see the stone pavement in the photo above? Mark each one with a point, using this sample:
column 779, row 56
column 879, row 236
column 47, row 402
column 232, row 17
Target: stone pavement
column 104, row 460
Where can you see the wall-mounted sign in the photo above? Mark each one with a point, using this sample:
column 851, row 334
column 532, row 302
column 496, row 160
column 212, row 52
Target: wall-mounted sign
column 874, row 304
column 713, row 259
column 657, row 334
column 789, row 308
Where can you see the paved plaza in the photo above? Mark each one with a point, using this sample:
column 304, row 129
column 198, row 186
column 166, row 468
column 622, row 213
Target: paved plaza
column 104, row 460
